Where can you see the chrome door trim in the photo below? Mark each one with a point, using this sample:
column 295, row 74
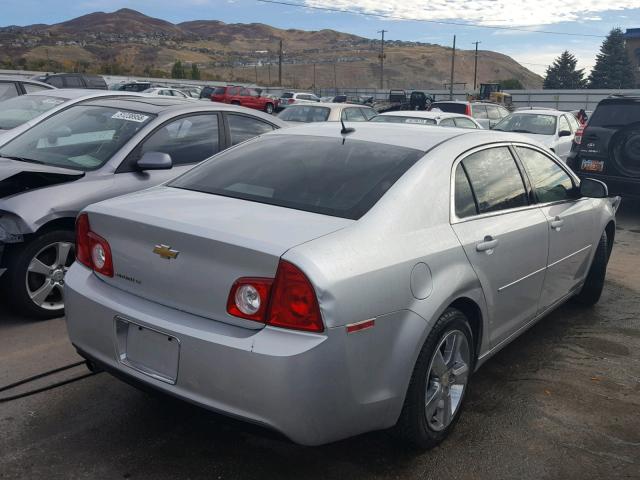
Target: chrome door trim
column 569, row 256
column 521, row 279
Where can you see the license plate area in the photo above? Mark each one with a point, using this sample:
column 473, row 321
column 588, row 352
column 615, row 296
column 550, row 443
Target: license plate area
column 147, row 350
column 592, row 166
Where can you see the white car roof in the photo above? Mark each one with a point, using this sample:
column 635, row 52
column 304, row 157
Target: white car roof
column 422, row 114
column 553, row 113
column 74, row 93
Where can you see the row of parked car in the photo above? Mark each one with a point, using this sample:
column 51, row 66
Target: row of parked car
column 264, row 266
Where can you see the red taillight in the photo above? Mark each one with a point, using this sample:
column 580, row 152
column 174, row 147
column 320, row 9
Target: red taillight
column 293, row 301
column 92, row 250
column 467, row 110
column 291, row 100
column 578, row 136
column 249, row 298
column 288, row 301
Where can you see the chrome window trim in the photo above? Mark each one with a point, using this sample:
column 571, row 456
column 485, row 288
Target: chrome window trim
column 453, row 218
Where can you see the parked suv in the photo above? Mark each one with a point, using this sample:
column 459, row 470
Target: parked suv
column 487, row 114
column 73, row 80
column 609, row 148
column 244, row 97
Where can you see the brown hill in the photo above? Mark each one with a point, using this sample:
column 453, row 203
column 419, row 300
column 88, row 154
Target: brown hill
column 129, row 42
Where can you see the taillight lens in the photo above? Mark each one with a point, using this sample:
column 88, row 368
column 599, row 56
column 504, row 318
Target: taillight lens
column 92, row 250
column 467, row 110
column 293, row 301
column 578, row 136
column 288, row 301
column 249, row 298
column 291, row 100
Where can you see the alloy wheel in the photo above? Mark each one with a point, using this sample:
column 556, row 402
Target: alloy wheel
column 46, row 272
column 447, row 379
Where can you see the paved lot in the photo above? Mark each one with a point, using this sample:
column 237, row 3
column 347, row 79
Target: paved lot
column 562, row 401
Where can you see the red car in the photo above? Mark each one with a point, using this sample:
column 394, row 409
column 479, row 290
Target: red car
column 245, row 97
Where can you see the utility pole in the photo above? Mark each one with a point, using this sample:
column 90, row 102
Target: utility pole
column 475, row 67
column 453, row 63
column 381, row 55
column 256, row 68
column 335, row 78
column 269, row 74
column 280, row 65
column 314, row 77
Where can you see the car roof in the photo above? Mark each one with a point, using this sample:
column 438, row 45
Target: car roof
column 328, row 104
column 9, row 78
column 422, row 114
column 554, row 113
column 73, row 93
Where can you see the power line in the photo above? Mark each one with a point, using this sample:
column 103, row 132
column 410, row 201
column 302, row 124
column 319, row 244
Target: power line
column 440, row 22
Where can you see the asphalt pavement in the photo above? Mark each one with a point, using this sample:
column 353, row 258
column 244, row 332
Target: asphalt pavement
column 560, row 402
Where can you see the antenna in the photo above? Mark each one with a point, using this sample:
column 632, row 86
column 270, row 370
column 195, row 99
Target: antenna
column 345, row 130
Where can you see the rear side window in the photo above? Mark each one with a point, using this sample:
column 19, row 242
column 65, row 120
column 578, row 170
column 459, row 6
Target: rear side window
column 8, row 90
column 218, row 91
column 30, row 88
column 243, row 128
column 451, row 107
column 479, row 111
column 353, row 115
column 495, row 180
column 493, row 112
column 95, row 82
column 447, row 122
column 369, row 113
column 331, row 176
column 615, row 114
column 462, row 122
column 73, row 82
column 55, row 81
column 563, row 124
column 550, row 182
column 464, row 202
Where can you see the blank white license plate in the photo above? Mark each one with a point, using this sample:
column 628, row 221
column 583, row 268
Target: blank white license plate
column 592, row 166
column 148, row 351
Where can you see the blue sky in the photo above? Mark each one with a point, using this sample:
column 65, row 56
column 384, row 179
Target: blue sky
column 534, row 50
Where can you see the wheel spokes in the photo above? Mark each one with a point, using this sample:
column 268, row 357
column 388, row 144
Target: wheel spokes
column 432, row 402
column 62, row 253
column 40, row 295
column 36, row 266
column 439, row 366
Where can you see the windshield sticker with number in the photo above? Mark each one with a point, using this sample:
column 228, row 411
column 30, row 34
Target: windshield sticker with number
column 130, row 117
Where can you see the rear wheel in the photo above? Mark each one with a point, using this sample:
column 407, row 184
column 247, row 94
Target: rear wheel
column 594, row 284
column 439, row 382
column 35, row 274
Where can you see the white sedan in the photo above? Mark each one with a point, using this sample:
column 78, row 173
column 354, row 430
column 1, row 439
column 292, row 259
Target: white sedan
column 168, row 92
column 552, row 128
column 433, row 117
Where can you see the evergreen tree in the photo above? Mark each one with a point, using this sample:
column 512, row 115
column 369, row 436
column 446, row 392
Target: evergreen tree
column 563, row 74
column 613, row 68
column 195, row 72
column 177, row 71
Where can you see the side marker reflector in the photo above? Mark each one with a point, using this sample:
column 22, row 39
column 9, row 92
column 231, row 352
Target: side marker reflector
column 356, row 327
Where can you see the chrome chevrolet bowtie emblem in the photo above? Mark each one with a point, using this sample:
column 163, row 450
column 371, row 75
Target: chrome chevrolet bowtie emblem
column 165, row 251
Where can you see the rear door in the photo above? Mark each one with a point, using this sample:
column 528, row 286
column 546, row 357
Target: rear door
column 571, row 223
column 504, row 237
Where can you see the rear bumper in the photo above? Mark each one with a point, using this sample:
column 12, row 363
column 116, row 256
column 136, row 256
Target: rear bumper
column 314, row 388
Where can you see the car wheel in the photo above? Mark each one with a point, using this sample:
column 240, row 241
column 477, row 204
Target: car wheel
column 594, row 284
column 269, row 108
column 36, row 274
column 439, row 382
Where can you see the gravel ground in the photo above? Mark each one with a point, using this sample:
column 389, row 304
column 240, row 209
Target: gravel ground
column 561, row 402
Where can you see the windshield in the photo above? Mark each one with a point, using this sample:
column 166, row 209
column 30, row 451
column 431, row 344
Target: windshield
column 399, row 119
column 528, row 123
column 612, row 114
column 287, row 95
column 305, row 114
column 451, row 107
column 19, row 110
column 331, row 176
column 82, row 137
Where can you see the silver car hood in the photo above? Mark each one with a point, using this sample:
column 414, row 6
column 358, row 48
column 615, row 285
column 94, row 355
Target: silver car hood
column 17, row 177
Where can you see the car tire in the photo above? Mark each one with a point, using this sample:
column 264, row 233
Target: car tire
column 420, row 425
column 594, row 284
column 269, row 108
column 27, row 280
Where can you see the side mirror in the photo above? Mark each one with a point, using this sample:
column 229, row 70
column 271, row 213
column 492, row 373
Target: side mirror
column 564, row 133
column 592, row 188
column 155, row 161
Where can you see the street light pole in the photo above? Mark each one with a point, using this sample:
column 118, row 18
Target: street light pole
column 382, row 59
column 475, row 67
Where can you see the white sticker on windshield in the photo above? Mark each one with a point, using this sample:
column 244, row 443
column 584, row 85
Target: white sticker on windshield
column 420, row 121
column 52, row 101
column 130, row 117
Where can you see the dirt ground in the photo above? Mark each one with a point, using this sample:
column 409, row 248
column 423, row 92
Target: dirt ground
column 561, row 402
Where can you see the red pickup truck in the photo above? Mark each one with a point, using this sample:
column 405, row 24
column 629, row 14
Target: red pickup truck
column 246, row 97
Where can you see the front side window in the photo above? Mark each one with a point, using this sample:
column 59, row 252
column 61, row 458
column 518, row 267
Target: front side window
column 550, row 182
column 19, row 110
column 8, row 90
column 315, row 174
column 243, row 128
column 495, row 180
column 187, row 139
column 82, row 137
column 353, row 115
column 305, row 114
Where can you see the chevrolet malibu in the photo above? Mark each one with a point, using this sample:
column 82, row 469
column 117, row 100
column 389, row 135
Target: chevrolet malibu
column 326, row 282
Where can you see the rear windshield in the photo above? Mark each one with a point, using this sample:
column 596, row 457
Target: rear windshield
column 287, row 95
column 219, row 90
column 528, row 123
column 305, row 114
column 451, row 107
column 315, row 174
column 398, row 119
column 615, row 115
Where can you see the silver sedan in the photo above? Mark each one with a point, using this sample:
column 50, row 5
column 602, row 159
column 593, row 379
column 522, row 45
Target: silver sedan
column 326, row 284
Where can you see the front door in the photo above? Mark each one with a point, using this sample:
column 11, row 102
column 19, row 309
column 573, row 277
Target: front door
column 570, row 225
column 504, row 237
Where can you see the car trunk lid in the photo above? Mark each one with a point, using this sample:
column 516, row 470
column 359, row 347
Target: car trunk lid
column 185, row 249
